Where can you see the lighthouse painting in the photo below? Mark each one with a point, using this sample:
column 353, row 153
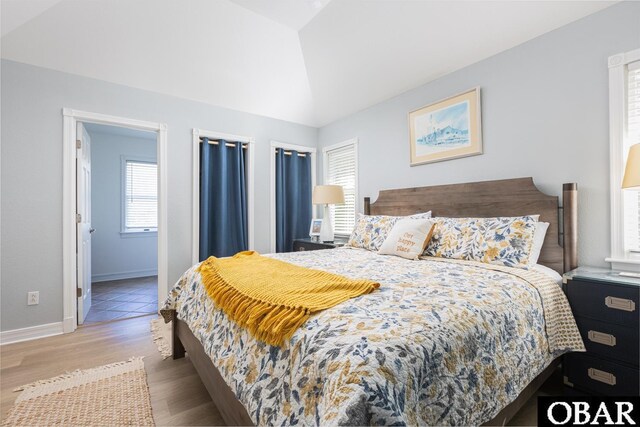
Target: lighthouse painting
column 446, row 129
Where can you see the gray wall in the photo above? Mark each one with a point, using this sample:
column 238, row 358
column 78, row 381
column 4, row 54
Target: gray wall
column 544, row 114
column 115, row 255
column 31, row 179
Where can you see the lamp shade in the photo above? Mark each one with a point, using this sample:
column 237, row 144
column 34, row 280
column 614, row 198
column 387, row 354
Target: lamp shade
column 631, row 179
column 327, row 194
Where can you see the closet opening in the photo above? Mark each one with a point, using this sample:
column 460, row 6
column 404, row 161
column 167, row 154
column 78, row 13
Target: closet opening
column 293, row 176
column 222, row 194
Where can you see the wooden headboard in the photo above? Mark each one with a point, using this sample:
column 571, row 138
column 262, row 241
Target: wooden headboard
column 508, row 197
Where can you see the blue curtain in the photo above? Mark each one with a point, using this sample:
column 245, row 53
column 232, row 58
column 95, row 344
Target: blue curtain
column 223, row 200
column 293, row 198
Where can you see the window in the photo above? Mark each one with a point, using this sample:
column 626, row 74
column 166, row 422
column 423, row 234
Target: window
column 140, row 196
column 624, row 110
column 341, row 168
column 632, row 198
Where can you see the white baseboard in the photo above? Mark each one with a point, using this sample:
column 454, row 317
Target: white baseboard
column 31, row 333
column 69, row 325
column 123, row 275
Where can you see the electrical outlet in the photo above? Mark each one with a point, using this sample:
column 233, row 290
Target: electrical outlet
column 33, row 298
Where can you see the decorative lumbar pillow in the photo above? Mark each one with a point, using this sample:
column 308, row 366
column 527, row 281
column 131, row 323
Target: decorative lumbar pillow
column 408, row 238
column 371, row 231
column 503, row 240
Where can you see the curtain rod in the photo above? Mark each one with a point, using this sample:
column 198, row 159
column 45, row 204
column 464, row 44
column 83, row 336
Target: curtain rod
column 228, row 144
column 244, row 145
column 288, row 153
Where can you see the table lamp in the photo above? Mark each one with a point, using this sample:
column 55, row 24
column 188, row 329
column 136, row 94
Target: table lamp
column 327, row 195
column 631, row 181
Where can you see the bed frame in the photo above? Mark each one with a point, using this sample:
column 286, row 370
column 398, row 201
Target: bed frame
column 509, row 197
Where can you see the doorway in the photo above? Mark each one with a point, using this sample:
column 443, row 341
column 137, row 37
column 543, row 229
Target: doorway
column 88, row 286
column 117, row 232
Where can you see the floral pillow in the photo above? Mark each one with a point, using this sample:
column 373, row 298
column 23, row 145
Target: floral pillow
column 455, row 238
column 507, row 241
column 372, row 230
column 503, row 240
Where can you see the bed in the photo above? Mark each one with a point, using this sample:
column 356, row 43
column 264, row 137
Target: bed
column 442, row 342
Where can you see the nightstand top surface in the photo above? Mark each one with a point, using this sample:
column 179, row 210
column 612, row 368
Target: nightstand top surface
column 598, row 274
column 338, row 241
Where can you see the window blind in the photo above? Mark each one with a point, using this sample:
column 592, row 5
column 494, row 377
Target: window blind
column 632, row 198
column 341, row 170
column 141, row 196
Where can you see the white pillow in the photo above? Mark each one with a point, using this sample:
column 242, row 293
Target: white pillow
column 408, row 238
column 538, row 241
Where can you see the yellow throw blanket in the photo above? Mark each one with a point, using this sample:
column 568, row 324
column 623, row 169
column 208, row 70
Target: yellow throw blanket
column 272, row 298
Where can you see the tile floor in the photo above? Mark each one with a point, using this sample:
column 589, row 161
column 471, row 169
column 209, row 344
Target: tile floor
column 119, row 299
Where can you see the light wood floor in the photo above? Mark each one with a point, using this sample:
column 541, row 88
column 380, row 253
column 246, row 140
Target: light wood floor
column 177, row 394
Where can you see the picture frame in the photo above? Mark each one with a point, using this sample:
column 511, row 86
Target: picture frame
column 447, row 129
column 316, row 226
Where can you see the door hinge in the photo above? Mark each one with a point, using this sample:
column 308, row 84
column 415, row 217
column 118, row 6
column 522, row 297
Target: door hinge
column 78, row 144
column 78, row 218
column 78, row 292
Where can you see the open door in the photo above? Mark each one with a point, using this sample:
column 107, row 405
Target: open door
column 83, row 220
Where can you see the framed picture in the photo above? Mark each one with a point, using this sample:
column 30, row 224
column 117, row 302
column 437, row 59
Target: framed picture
column 316, row 225
column 447, row 129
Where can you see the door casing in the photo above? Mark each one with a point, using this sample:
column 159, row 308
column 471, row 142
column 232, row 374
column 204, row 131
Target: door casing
column 71, row 118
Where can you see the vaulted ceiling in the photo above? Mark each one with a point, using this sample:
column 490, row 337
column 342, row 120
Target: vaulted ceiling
column 305, row 61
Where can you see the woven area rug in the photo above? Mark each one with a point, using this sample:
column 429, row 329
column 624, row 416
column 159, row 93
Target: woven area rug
column 161, row 333
column 110, row 395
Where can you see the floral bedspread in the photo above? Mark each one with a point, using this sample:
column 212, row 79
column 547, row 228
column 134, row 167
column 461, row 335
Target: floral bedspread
column 438, row 343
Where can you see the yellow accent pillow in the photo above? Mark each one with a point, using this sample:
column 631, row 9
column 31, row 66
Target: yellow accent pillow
column 408, row 238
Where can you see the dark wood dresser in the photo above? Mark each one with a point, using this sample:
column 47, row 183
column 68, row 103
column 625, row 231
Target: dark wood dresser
column 311, row 245
column 606, row 307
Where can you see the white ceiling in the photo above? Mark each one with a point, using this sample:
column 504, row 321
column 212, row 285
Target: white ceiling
column 361, row 52
column 292, row 13
column 211, row 51
column 289, row 59
column 16, row 12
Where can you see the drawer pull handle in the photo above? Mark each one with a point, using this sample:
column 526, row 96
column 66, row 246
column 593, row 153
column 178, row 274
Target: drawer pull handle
column 602, row 338
column 620, row 304
column 602, row 376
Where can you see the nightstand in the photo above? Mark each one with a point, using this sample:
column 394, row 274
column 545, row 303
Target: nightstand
column 311, row 245
column 605, row 306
